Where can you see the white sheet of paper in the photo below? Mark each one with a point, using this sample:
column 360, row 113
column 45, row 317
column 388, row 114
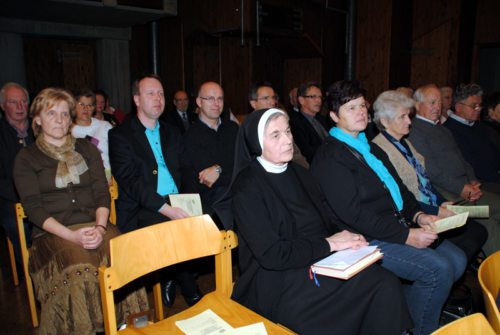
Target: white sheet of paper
column 474, row 211
column 206, row 323
column 451, row 222
column 189, row 202
column 253, row 329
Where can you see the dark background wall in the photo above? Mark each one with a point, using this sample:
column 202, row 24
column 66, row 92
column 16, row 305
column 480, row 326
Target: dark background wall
column 396, row 43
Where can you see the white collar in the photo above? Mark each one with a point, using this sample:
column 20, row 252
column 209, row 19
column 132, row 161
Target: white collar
column 420, row 117
column 271, row 167
column 461, row 120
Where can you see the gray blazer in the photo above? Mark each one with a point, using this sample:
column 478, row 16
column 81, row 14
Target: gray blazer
column 445, row 164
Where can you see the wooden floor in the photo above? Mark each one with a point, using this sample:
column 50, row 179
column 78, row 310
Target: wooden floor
column 15, row 318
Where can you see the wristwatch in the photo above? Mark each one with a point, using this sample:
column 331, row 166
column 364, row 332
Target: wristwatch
column 218, row 169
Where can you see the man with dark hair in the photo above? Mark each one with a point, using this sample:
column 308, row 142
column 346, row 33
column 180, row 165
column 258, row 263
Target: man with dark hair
column 208, row 157
column 308, row 127
column 180, row 117
column 472, row 136
column 262, row 95
column 144, row 154
column 15, row 133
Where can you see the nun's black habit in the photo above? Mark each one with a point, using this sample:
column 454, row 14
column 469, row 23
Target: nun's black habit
column 282, row 226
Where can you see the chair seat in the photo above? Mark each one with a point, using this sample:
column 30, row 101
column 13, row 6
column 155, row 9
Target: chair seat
column 229, row 310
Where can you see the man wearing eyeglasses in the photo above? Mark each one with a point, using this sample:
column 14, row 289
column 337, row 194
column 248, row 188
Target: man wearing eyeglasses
column 208, row 156
column 15, row 133
column 308, row 127
column 471, row 135
column 448, row 170
column 262, row 95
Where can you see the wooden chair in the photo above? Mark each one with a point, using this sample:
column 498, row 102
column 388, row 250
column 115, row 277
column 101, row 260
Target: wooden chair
column 113, row 191
column 489, row 278
column 12, row 260
column 152, row 248
column 468, row 325
column 20, row 215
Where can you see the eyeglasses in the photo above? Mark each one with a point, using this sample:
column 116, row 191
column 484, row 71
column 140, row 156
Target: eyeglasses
column 89, row 106
column 475, row 106
column 313, row 97
column 269, row 97
column 213, row 99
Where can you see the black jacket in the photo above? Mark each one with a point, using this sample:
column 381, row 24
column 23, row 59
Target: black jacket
column 135, row 169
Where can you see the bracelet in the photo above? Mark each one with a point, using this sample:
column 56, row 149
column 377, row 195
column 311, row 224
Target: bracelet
column 103, row 227
column 418, row 215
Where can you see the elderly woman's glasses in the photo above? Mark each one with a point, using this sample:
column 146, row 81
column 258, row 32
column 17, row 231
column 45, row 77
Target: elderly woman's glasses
column 86, row 106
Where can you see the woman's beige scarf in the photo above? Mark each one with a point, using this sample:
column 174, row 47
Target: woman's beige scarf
column 71, row 163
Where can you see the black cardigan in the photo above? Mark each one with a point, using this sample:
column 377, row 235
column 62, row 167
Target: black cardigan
column 357, row 196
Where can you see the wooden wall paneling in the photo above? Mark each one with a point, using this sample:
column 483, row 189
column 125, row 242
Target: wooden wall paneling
column 236, row 69
column 486, row 31
column 401, row 42
column 436, row 27
column 139, row 52
column 334, row 47
column 298, row 71
column 79, row 65
column 267, row 65
column 373, row 40
column 43, row 61
column 430, row 57
column 171, row 57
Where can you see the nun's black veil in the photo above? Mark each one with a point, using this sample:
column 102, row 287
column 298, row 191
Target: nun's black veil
column 247, row 148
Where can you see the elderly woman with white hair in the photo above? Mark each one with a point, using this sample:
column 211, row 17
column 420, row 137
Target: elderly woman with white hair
column 283, row 228
column 392, row 117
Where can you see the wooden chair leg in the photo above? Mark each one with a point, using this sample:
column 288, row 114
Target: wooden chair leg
column 158, row 303
column 13, row 265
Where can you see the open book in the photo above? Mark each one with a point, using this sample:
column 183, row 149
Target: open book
column 346, row 263
column 478, row 212
column 451, row 222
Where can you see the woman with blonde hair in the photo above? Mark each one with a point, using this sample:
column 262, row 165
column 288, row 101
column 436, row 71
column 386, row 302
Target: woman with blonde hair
column 65, row 194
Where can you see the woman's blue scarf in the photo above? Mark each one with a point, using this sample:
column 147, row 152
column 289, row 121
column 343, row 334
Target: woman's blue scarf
column 361, row 145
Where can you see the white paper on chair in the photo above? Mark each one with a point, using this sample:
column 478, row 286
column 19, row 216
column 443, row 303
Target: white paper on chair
column 253, row 329
column 189, row 202
column 206, row 323
column 478, row 212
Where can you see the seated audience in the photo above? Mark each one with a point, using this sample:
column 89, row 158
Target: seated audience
column 208, row 155
column 491, row 117
column 262, row 95
column 367, row 198
column 15, row 134
column 308, row 127
column 64, row 192
column 93, row 130
column 103, row 110
column 180, row 117
column 392, row 116
column 472, row 137
column 446, row 98
column 283, row 228
column 449, row 172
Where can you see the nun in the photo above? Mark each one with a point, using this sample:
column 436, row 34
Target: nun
column 283, row 228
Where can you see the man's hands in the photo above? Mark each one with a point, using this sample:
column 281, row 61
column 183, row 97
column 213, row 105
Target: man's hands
column 209, row 175
column 472, row 191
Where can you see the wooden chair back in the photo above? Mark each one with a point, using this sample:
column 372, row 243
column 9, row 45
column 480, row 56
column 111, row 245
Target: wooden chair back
column 471, row 324
column 20, row 216
column 489, row 279
column 146, row 250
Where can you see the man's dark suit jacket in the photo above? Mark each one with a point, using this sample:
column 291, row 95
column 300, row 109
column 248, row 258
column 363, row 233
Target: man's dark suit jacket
column 134, row 167
column 304, row 134
column 173, row 118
